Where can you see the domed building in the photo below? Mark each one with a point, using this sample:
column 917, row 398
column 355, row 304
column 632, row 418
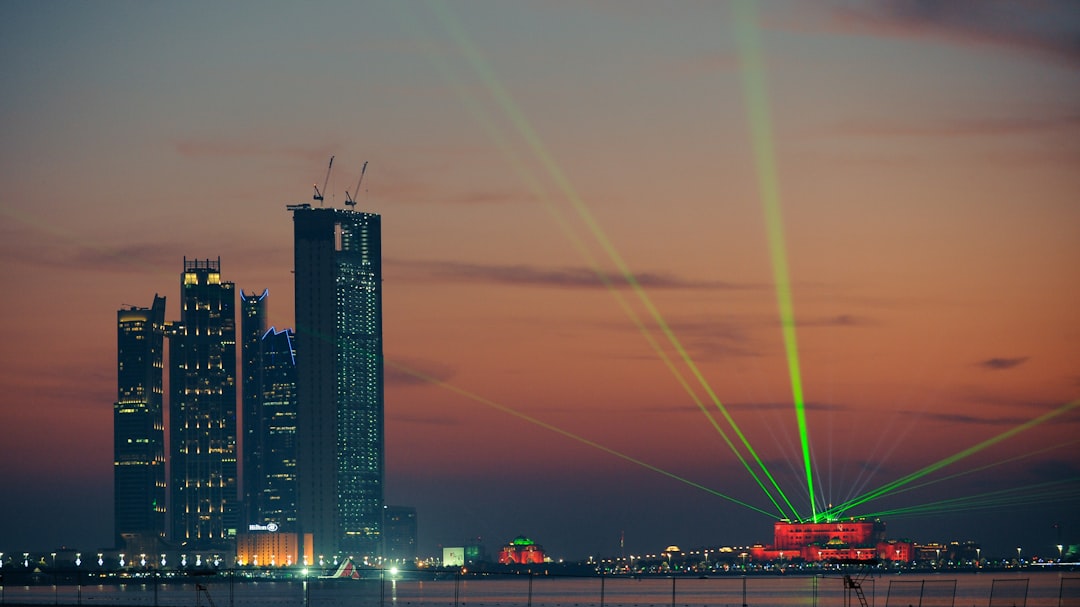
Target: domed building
column 521, row 551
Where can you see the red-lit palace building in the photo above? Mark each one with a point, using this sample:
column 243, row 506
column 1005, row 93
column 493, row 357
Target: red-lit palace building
column 846, row 540
column 521, row 551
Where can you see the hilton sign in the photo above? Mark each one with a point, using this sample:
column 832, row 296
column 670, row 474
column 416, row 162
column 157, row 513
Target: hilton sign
column 271, row 527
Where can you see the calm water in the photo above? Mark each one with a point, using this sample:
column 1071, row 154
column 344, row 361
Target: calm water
column 995, row 589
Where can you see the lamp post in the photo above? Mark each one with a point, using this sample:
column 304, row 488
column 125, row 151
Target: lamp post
column 978, row 557
column 1059, row 547
column 1018, row 556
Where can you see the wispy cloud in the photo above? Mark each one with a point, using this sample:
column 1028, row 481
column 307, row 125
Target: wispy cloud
column 118, row 257
column 963, row 126
column 217, row 148
column 414, row 372
column 840, row 320
column 782, row 406
column 1049, row 30
column 424, row 420
column 530, row 275
column 1000, row 364
column 983, row 420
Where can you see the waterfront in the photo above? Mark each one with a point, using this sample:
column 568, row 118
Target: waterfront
column 1025, row 588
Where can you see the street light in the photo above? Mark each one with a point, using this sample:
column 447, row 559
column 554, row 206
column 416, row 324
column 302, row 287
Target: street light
column 1059, row 547
column 1018, row 561
column 978, row 557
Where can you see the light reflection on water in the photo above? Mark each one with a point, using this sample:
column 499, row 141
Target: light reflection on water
column 889, row 590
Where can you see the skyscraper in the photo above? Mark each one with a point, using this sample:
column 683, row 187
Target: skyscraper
column 252, row 329
column 276, row 495
column 138, row 428
column 202, row 407
column 338, row 273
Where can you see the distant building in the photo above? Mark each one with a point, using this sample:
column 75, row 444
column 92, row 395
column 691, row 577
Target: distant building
column 338, row 281
column 138, row 429
column 845, row 540
column 265, row 546
column 252, row 327
column 202, row 406
column 521, row 551
column 463, row 556
column 399, row 529
column 276, row 491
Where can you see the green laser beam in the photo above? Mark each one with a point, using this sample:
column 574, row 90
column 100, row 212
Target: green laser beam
column 831, row 513
column 1014, row 496
column 534, row 186
column 752, row 68
column 894, row 485
column 565, row 433
column 505, row 102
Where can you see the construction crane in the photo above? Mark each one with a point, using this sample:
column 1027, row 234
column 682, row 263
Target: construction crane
column 351, row 200
column 319, row 194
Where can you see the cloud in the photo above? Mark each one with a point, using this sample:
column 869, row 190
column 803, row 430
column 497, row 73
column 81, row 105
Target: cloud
column 70, row 254
column 959, row 418
column 999, row 364
column 963, row 126
column 404, row 372
column 786, row 406
column 840, row 320
column 424, row 420
column 204, row 148
column 566, row 277
column 1048, row 30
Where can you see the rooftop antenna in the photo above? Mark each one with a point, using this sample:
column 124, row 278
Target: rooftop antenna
column 319, row 194
column 351, row 200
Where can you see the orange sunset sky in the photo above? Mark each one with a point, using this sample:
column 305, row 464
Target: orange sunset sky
column 922, row 159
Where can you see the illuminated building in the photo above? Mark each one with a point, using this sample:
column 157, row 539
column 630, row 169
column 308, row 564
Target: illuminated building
column 521, row 551
column 339, row 381
column 267, row 547
column 252, row 328
column 138, row 428
column 276, row 491
column 399, row 529
column 845, row 540
column 202, row 408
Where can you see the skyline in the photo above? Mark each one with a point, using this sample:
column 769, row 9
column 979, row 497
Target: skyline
column 921, row 164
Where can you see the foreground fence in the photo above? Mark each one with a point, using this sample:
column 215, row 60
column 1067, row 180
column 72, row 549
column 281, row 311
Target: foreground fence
column 227, row 590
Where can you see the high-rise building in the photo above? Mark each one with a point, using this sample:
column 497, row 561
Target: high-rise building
column 202, row 408
column 276, row 490
column 399, row 529
column 252, row 329
column 338, row 274
column 138, row 428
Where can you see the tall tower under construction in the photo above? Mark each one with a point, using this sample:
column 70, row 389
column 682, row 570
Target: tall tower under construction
column 339, row 370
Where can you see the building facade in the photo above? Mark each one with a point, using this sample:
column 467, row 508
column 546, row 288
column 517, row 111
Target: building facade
column 252, row 328
column 521, row 551
column 338, row 282
column 400, row 531
column 202, row 408
column 849, row 540
column 276, row 487
column 138, row 429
